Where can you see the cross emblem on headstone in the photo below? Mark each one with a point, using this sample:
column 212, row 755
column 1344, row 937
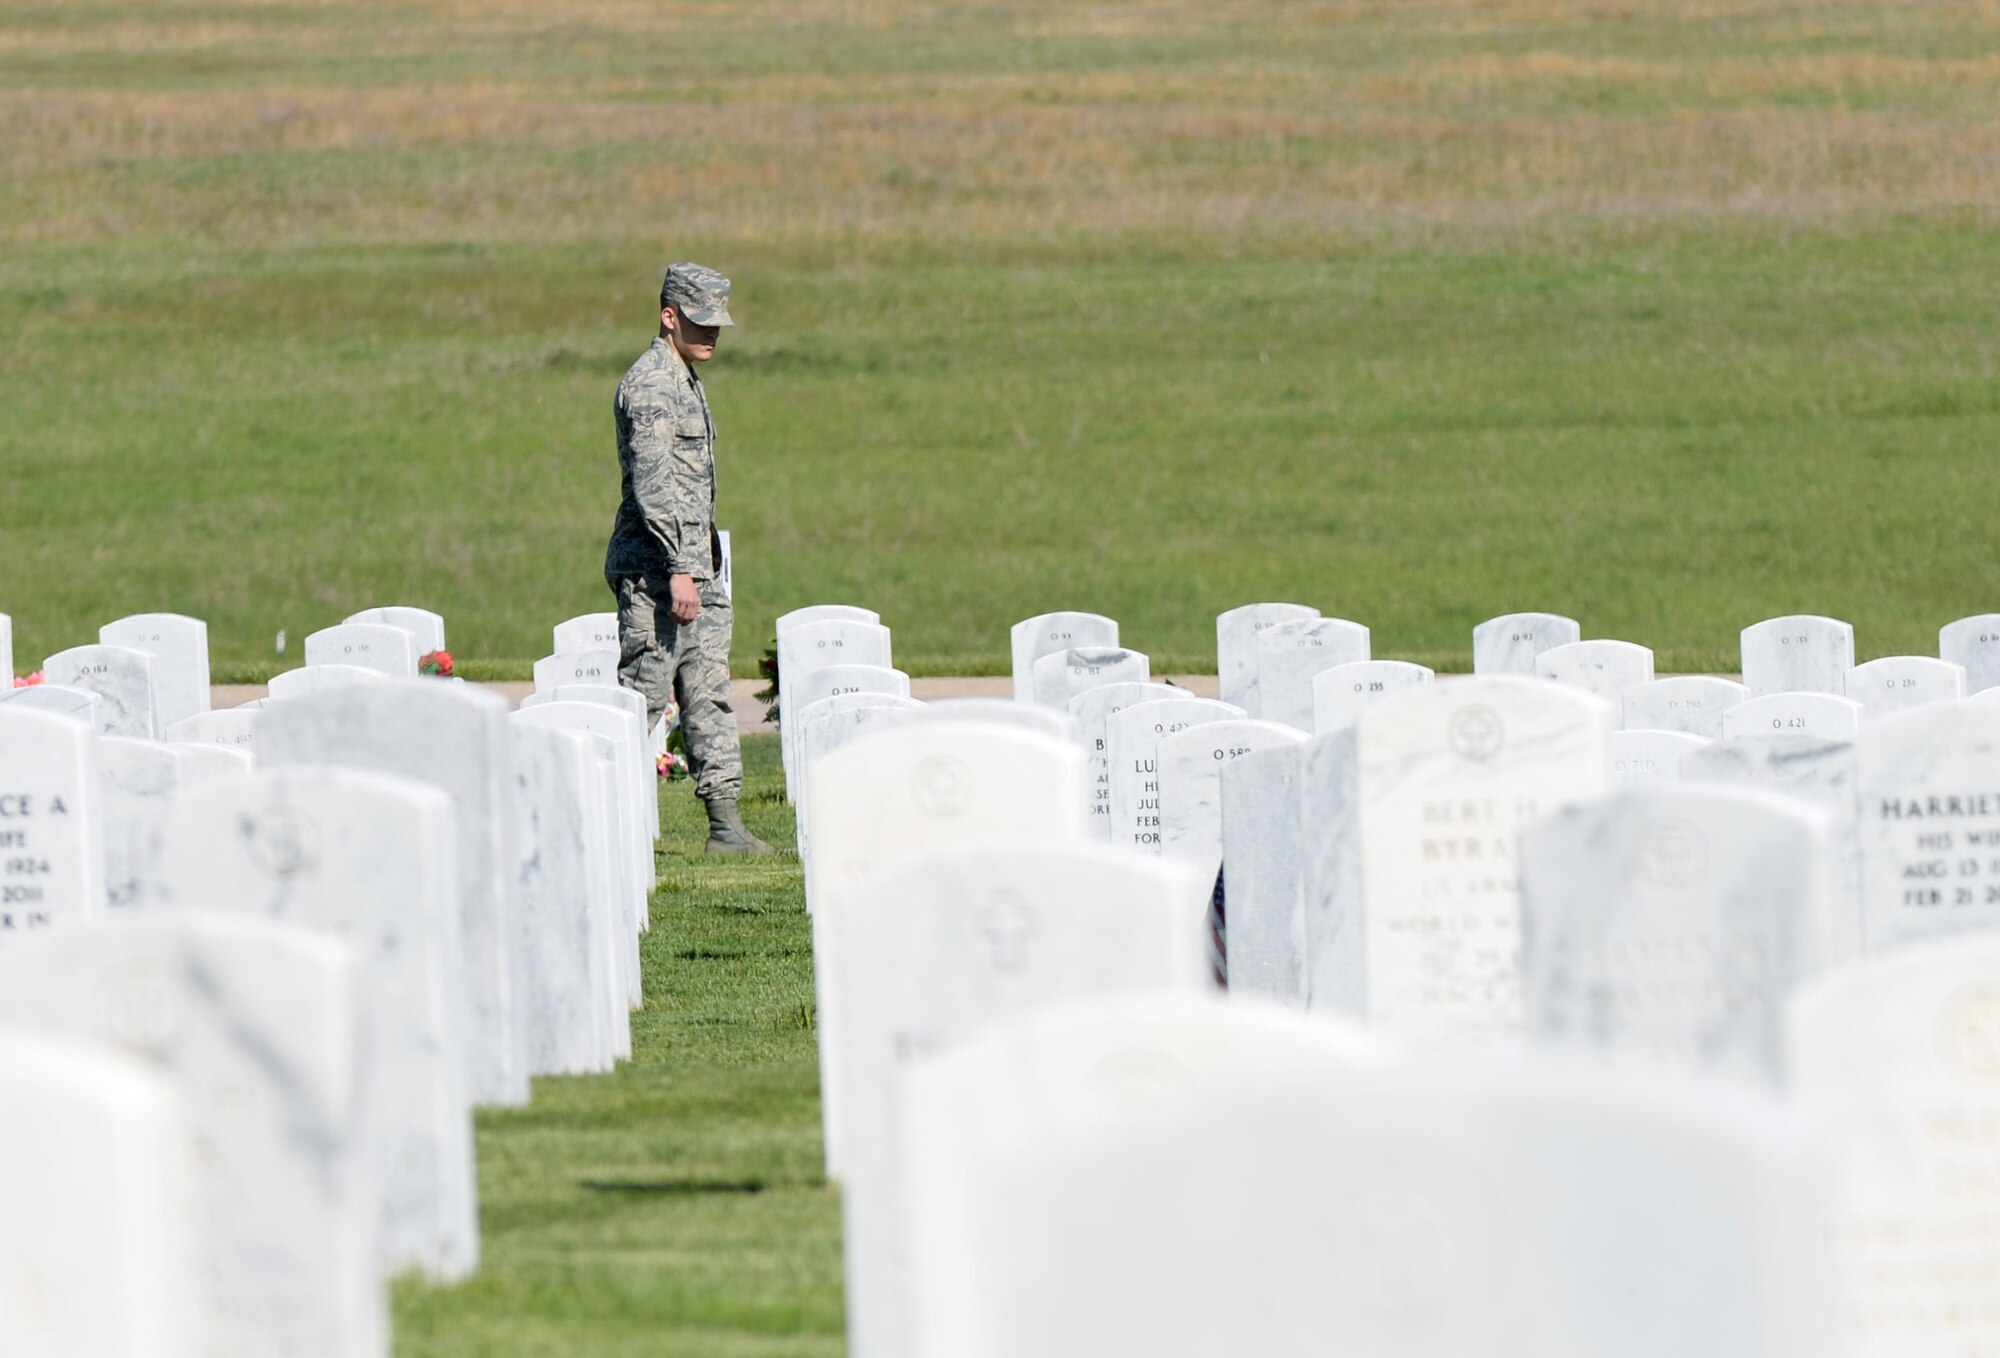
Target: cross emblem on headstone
column 1007, row 925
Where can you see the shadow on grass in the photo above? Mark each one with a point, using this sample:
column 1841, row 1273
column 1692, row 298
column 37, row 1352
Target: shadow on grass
column 674, row 1188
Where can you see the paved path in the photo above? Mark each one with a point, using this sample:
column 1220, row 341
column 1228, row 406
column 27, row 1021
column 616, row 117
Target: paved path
column 750, row 712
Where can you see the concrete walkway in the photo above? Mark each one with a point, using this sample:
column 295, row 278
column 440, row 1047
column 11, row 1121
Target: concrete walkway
column 750, row 712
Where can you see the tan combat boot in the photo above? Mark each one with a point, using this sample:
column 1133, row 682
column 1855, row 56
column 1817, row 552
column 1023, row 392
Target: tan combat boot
column 728, row 835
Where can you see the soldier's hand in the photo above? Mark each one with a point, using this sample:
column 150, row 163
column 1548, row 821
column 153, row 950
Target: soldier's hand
column 683, row 599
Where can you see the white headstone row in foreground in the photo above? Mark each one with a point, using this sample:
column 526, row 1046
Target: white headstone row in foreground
column 1632, row 1008
column 298, row 944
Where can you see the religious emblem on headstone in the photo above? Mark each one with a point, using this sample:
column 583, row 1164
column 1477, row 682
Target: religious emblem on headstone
column 942, row 785
column 1969, row 1033
column 1476, row 732
column 282, row 841
column 1402, row 1264
column 1007, row 924
column 1673, row 854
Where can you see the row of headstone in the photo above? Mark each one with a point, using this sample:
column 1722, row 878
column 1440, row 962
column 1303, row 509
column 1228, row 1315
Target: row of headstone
column 1446, row 865
column 1057, row 1166
column 407, row 905
column 954, row 879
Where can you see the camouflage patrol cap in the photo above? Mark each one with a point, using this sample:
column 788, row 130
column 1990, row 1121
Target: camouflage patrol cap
column 701, row 294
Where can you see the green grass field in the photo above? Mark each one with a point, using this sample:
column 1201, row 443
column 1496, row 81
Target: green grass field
column 1670, row 316
column 676, row 1207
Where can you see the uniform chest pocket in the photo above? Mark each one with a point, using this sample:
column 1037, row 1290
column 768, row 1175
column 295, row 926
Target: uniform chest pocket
column 691, row 442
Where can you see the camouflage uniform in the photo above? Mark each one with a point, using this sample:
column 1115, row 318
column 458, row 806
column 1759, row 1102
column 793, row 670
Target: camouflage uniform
column 666, row 526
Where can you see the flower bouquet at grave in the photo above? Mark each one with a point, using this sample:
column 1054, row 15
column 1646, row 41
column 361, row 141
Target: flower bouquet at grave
column 27, row 680
column 673, row 762
column 435, row 662
column 768, row 667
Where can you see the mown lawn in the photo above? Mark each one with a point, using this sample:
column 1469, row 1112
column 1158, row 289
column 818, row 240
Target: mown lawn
column 676, row 1207
column 1672, row 317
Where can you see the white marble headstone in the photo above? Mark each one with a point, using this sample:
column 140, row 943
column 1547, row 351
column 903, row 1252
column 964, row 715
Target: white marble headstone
column 1973, row 644
column 1610, row 669
column 1340, row 693
column 1896, row 683
column 944, row 943
column 561, row 925
column 638, row 787
column 58, row 700
column 202, row 762
column 586, row 632
column 1694, row 703
column 232, row 727
column 1028, row 716
column 1828, row 715
column 1190, row 776
column 453, row 736
column 1820, row 772
column 1928, row 784
column 1530, row 1211
column 1052, row 633
column 51, row 835
column 1509, row 643
column 1894, row 1058
column 838, row 679
column 1236, row 634
column 908, row 787
column 1263, row 872
column 368, row 645
column 813, row 646
column 1091, row 710
column 1070, row 1069
column 179, row 647
column 607, row 695
column 823, row 727
column 1670, row 923
column 1291, row 653
column 1061, row 677
column 1647, row 758
column 799, row 617
column 1803, row 653
column 1132, row 739
column 568, row 668
column 311, row 679
column 608, row 874
column 366, row 858
column 256, row 1025
column 426, row 628
column 134, row 777
column 1412, row 901
column 101, row 1240
column 121, row 678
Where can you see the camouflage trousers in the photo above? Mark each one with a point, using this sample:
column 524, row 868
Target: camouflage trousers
column 666, row 662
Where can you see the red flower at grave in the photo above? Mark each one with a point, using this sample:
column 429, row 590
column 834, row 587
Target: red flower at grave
column 28, row 680
column 673, row 767
column 435, row 662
